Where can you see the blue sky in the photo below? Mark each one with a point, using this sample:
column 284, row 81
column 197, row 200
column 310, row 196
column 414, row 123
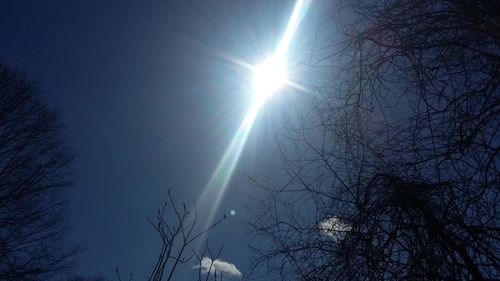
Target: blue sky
column 150, row 103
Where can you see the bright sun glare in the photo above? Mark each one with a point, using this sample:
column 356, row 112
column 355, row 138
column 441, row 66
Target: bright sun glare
column 269, row 76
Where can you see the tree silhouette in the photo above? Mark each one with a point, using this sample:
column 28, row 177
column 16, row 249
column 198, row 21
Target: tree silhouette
column 178, row 229
column 393, row 173
column 34, row 178
column 176, row 238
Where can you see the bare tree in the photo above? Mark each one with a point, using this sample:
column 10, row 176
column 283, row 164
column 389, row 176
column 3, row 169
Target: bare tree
column 178, row 231
column 393, row 174
column 176, row 238
column 207, row 256
column 34, row 178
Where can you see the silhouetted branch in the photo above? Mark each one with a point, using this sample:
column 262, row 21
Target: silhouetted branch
column 34, row 179
column 391, row 172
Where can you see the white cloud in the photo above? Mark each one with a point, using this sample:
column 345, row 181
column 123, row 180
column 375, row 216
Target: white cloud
column 334, row 228
column 217, row 265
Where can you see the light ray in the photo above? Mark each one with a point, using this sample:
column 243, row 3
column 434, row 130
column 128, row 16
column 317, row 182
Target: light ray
column 297, row 13
column 236, row 61
column 298, row 86
column 220, row 178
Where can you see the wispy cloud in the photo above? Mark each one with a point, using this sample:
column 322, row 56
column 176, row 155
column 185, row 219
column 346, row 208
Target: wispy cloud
column 211, row 266
column 334, row 228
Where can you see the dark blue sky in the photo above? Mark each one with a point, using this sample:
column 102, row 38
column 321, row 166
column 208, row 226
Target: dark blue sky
column 149, row 104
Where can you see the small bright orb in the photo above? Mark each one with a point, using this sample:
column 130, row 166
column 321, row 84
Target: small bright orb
column 269, row 77
column 233, row 212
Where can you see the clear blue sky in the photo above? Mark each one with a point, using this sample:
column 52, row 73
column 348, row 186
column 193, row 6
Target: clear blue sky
column 149, row 104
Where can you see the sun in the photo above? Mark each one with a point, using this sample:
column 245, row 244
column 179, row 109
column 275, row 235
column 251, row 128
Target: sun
column 269, row 77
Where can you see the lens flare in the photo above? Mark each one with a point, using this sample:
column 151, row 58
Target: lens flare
column 268, row 77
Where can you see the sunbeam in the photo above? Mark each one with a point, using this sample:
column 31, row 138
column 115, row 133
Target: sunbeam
column 268, row 77
column 217, row 184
